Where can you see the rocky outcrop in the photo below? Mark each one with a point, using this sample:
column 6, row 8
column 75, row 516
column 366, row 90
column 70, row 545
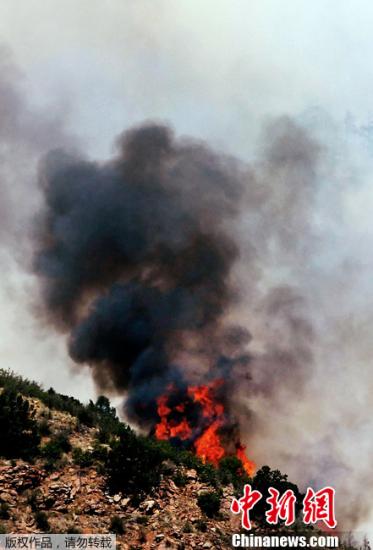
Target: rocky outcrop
column 75, row 498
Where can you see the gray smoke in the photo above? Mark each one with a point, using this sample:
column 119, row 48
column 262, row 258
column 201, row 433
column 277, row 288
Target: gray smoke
column 26, row 132
column 137, row 253
column 173, row 263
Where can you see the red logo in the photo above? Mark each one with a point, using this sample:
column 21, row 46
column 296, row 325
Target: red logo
column 281, row 508
column 317, row 506
column 245, row 504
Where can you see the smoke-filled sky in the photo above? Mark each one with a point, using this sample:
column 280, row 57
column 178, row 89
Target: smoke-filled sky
column 286, row 88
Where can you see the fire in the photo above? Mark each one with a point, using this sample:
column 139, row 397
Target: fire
column 166, row 429
column 204, row 396
column 208, row 446
column 200, row 431
column 247, row 464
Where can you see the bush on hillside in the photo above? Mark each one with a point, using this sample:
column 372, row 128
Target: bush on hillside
column 57, row 445
column 4, row 510
column 93, row 414
column 44, row 428
column 116, row 525
column 41, row 520
column 82, row 458
column 265, row 478
column 134, row 464
column 19, row 430
column 209, row 502
column 231, row 471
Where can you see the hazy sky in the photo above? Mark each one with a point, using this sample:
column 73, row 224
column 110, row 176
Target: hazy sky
column 215, row 69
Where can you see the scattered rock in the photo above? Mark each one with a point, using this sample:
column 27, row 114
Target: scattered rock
column 148, row 506
column 78, row 497
column 5, row 497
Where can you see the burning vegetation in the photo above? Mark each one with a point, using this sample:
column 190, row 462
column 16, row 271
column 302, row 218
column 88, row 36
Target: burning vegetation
column 196, row 418
column 135, row 257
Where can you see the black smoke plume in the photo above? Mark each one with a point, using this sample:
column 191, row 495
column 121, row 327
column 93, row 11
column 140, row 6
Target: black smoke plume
column 136, row 256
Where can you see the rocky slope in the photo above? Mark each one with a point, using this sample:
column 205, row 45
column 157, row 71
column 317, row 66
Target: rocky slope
column 73, row 498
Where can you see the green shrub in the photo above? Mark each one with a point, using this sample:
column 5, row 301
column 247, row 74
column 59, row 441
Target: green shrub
column 53, row 465
column 103, row 436
column 169, row 468
column 3, row 529
column 49, row 502
column 97, row 456
column 134, row 464
column 100, row 453
column 265, row 478
column 208, row 474
column 209, row 502
column 86, row 417
column 229, row 467
column 84, row 459
column 55, row 448
column 19, row 430
column 4, row 511
column 41, row 520
column 44, row 428
column 187, row 528
column 201, row 525
column 12, row 381
column 142, row 520
column 116, row 525
column 19, row 384
column 33, row 499
column 179, row 479
column 107, row 419
column 231, row 471
column 93, row 414
column 72, row 530
column 179, row 457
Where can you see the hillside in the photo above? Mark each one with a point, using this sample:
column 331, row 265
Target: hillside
column 75, row 498
column 68, row 467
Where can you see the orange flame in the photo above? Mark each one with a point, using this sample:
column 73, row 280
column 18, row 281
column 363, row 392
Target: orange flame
column 208, row 446
column 166, row 429
column 247, row 464
column 204, row 396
